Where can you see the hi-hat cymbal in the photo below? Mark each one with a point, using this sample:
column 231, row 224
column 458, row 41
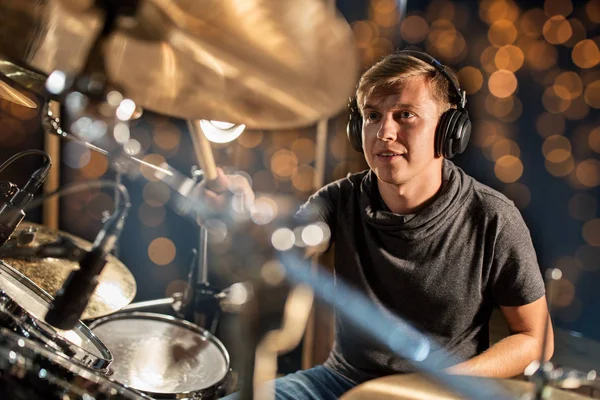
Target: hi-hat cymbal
column 116, row 285
column 269, row 64
column 421, row 387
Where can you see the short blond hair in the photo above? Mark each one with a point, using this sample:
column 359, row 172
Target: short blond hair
column 393, row 70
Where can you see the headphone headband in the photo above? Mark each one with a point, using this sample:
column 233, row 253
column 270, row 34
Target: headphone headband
column 458, row 96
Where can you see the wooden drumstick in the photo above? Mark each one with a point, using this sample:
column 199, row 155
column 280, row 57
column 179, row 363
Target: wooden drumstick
column 203, row 151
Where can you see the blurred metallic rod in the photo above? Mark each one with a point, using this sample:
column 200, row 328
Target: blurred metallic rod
column 51, row 209
column 203, row 151
column 280, row 341
column 52, row 125
column 391, row 331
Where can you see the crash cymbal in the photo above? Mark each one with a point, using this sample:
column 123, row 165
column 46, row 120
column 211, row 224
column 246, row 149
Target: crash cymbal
column 268, row 64
column 116, row 287
column 421, row 387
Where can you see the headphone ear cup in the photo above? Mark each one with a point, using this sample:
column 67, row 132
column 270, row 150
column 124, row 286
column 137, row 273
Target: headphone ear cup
column 453, row 133
column 354, row 128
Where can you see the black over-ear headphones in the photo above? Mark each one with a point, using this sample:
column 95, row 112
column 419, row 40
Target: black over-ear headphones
column 454, row 126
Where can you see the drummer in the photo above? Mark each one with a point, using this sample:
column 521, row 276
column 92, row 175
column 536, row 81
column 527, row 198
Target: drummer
column 423, row 239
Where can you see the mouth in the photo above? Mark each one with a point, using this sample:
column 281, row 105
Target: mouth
column 389, row 155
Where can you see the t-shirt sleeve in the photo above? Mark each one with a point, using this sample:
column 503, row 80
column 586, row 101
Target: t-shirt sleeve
column 320, row 207
column 516, row 275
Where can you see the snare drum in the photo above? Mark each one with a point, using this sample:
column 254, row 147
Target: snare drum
column 23, row 306
column 164, row 357
column 29, row 371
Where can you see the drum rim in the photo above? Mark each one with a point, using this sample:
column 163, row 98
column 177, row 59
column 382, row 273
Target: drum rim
column 75, row 367
column 100, row 363
column 186, row 324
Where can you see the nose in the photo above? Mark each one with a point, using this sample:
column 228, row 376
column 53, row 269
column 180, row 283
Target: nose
column 388, row 130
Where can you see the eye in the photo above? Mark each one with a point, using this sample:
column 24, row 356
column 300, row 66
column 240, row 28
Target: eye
column 405, row 114
column 372, row 116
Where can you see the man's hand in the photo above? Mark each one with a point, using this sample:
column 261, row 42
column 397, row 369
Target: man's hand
column 224, row 192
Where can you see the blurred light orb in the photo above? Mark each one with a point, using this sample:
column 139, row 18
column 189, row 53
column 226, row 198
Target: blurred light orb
column 283, row 239
column 594, row 139
column 56, row 82
column 75, row 155
column 221, row 132
column 470, row 78
column 161, row 251
column 560, row 169
column 126, row 109
column 502, row 32
column 557, row 30
column 509, row 57
column 414, row 29
column 508, row 169
column 588, row 172
column 264, row 210
column 586, row 54
column 518, row 193
column 591, row 232
column 502, row 83
column 568, row 85
column 313, row 235
column 548, row 124
column 592, row 94
column 121, row 133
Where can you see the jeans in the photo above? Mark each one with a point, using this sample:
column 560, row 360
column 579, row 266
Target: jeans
column 317, row 383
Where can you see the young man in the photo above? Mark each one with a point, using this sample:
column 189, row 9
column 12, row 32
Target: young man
column 423, row 239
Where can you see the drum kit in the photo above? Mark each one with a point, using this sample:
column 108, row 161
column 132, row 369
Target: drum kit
column 269, row 64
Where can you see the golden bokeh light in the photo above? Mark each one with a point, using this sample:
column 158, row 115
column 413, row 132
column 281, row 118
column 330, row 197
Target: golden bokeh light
column 493, row 10
column 560, row 169
column 499, row 107
column 532, row 22
column 555, row 143
column 166, row 136
column 564, row 293
column 504, row 147
column 594, row 139
column 151, row 216
column 515, row 111
column 250, row 139
column 548, row 124
column 582, row 206
column 577, row 110
column 303, row 178
column 304, row 149
column 591, row 232
column 592, row 10
column 508, row 169
column 541, row 55
column 96, row 167
column 445, row 42
column 502, row 83
column 509, row 57
column 557, row 30
column 162, row 251
column 156, row 194
column 558, row 7
column 488, row 59
column 586, row 54
column 485, row 133
column 592, row 94
column 518, row 193
column 385, row 13
column 470, row 79
column 284, row 164
column 440, row 9
column 149, row 172
column 364, row 33
column 502, row 32
column 414, row 29
column 263, row 181
column 588, row 172
column 553, row 103
column 568, row 85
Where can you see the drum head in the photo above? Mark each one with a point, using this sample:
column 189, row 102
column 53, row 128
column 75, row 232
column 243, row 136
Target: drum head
column 28, row 371
column 158, row 354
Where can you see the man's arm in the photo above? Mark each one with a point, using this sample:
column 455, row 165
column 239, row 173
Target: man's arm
column 511, row 355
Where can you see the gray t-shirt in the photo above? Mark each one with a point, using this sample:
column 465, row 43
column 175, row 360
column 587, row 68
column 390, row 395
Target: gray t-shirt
column 442, row 269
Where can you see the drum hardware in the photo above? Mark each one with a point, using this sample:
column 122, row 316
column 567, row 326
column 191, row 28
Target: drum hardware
column 163, row 356
column 23, row 306
column 29, row 371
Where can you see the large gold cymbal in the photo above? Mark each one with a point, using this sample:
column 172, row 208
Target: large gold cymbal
column 269, row 64
column 421, row 387
column 116, row 287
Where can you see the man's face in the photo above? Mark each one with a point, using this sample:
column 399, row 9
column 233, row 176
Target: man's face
column 399, row 131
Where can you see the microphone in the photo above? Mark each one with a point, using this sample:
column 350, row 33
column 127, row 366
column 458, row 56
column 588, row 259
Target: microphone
column 72, row 298
column 12, row 213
